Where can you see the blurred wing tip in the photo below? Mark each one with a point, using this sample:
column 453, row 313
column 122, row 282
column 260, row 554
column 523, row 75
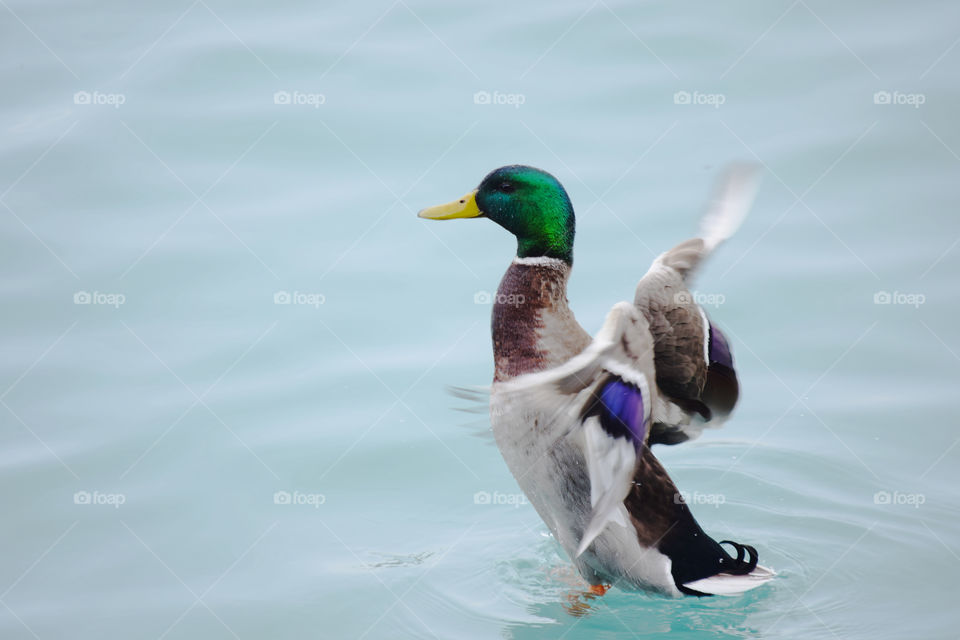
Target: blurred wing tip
column 473, row 392
column 731, row 201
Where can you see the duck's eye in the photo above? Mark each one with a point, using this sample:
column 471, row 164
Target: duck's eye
column 506, row 187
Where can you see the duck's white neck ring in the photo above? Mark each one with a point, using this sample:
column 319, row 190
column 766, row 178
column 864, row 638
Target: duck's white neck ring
column 540, row 261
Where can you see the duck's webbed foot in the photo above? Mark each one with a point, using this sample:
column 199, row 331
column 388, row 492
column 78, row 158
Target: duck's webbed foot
column 578, row 602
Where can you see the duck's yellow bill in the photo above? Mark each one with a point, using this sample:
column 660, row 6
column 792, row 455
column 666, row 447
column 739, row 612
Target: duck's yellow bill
column 465, row 207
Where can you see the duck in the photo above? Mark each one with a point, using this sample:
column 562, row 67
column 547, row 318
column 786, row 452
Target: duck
column 575, row 416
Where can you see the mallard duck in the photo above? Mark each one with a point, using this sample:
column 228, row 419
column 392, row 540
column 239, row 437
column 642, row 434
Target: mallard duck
column 575, row 417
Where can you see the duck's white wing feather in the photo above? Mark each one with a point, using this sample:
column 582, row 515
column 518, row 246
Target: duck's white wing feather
column 623, row 346
column 611, row 463
column 604, row 397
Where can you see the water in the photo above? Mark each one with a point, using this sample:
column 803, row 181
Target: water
column 198, row 399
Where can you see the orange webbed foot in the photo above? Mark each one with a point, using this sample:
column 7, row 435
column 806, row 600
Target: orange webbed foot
column 578, row 602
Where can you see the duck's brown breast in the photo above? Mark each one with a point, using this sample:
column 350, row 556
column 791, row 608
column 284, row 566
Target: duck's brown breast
column 533, row 328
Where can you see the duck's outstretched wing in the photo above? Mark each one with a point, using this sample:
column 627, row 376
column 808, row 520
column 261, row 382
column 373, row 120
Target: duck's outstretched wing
column 604, row 399
column 694, row 364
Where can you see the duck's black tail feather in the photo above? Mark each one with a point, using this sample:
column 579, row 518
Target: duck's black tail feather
column 695, row 556
column 699, row 565
column 740, row 567
column 743, row 565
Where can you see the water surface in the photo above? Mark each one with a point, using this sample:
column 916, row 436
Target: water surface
column 197, row 460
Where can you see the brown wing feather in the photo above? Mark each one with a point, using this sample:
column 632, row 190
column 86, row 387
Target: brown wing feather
column 675, row 323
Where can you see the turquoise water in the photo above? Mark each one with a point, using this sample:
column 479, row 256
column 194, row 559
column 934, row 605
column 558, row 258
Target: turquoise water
column 182, row 457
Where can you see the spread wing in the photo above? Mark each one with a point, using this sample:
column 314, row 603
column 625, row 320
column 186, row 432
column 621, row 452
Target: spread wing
column 603, row 399
column 694, row 364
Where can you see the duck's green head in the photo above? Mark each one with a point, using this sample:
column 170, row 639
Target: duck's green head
column 529, row 203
